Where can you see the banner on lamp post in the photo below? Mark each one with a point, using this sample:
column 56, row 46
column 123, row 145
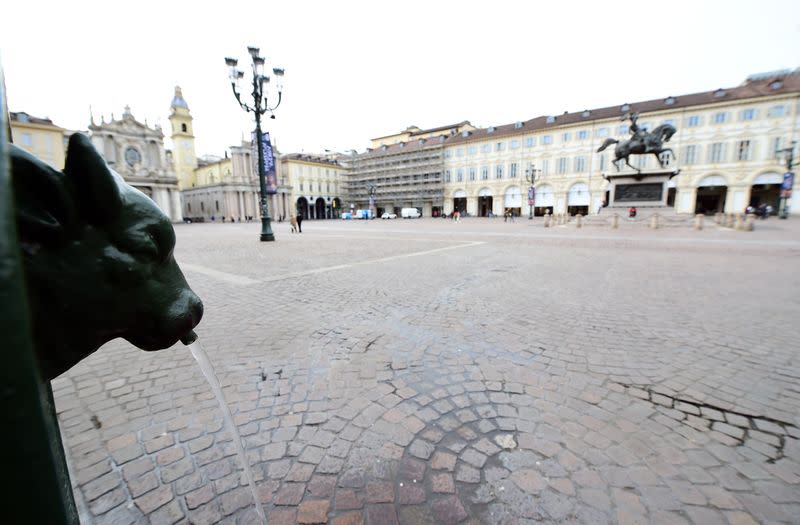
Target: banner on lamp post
column 270, row 176
column 788, row 183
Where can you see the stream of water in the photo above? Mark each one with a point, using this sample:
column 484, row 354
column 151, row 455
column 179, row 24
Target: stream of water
column 208, row 370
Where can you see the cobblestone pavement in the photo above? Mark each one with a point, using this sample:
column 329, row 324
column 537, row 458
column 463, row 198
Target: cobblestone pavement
column 479, row 372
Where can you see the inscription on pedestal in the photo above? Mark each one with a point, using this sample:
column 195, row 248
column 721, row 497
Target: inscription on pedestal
column 649, row 191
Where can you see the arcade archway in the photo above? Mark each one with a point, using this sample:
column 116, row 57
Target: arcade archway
column 319, row 208
column 485, row 202
column 766, row 190
column 543, row 200
column 513, row 201
column 711, row 194
column 336, row 207
column 578, row 199
column 460, row 202
column 302, row 207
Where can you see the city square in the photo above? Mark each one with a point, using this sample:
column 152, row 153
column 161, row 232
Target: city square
column 479, row 371
column 449, row 263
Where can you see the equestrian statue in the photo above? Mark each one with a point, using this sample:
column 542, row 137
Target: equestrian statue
column 641, row 142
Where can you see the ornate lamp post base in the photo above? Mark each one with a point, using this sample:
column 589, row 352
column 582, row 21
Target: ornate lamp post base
column 266, row 220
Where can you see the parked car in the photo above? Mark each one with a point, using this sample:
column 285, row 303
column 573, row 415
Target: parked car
column 388, row 215
column 347, row 216
column 410, row 213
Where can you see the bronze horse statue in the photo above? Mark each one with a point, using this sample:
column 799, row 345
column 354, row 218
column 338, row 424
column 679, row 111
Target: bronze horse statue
column 642, row 143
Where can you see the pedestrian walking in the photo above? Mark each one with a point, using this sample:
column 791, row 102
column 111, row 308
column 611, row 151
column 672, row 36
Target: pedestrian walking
column 300, row 223
column 293, row 222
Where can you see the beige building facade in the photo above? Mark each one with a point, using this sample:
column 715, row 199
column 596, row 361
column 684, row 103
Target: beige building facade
column 39, row 137
column 226, row 188
column 314, row 186
column 724, row 152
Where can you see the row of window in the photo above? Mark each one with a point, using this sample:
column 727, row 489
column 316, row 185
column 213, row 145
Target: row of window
column 499, row 172
column 319, row 187
column 311, row 171
column 744, row 150
column 720, row 117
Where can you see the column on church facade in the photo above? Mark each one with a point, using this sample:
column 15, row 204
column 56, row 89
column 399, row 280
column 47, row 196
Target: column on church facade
column 177, row 207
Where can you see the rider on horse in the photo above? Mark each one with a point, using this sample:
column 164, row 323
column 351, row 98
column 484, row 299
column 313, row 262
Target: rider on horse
column 638, row 134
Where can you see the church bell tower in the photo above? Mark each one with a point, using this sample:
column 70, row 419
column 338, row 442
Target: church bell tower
column 183, row 153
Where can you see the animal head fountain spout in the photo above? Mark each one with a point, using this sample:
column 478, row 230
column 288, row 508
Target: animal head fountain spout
column 98, row 260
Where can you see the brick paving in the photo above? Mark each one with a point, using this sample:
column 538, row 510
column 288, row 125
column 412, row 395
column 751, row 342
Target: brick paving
column 480, row 372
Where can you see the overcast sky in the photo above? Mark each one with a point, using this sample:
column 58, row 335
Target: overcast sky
column 358, row 70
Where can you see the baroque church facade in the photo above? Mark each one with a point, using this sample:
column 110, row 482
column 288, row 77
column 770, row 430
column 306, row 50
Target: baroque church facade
column 136, row 152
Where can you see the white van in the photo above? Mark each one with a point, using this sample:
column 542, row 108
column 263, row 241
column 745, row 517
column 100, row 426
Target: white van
column 410, row 213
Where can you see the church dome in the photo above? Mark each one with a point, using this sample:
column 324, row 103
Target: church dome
column 178, row 101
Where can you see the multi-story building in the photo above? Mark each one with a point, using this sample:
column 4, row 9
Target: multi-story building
column 136, row 152
column 413, row 133
column 39, row 137
column 314, row 183
column 725, row 149
column 403, row 171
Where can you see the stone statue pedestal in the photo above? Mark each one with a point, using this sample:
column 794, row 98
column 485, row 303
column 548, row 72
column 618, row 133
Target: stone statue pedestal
column 645, row 189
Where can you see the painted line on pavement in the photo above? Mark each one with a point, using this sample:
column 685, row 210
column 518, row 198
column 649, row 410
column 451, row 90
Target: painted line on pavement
column 216, row 274
column 242, row 280
column 369, row 261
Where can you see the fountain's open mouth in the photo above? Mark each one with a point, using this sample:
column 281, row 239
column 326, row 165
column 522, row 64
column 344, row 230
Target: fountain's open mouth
column 189, row 338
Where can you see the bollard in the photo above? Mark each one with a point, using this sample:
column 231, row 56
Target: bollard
column 654, row 224
column 546, row 221
column 698, row 221
column 615, row 221
column 578, row 220
column 739, row 225
column 731, row 220
column 718, row 218
column 728, row 220
column 750, row 222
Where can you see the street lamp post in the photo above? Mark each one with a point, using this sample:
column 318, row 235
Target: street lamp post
column 260, row 106
column 530, row 176
column 788, row 178
column 371, row 190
